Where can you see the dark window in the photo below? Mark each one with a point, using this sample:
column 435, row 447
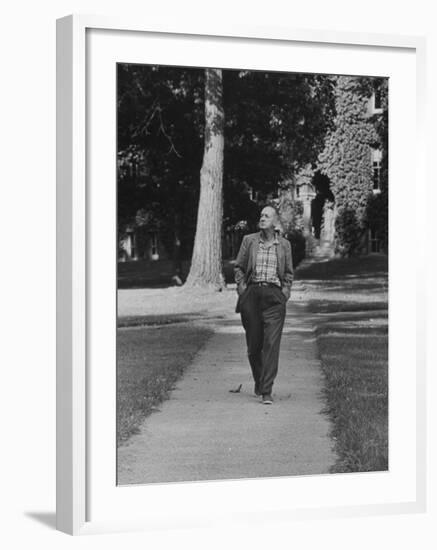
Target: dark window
column 154, row 243
column 378, row 101
column 133, row 247
column 375, row 241
column 376, row 175
column 253, row 195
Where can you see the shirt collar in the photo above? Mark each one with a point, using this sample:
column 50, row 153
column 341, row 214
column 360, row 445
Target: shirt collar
column 275, row 240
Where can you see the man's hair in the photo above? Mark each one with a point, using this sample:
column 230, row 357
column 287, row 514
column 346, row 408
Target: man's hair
column 278, row 225
column 275, row 210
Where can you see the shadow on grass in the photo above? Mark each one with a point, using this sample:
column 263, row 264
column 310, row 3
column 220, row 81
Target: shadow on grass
column 373, row 266
column 347, row 299
column 336, row 306
column 352, row 285
column 154, row 320
column 158, row 274
column 164, row 319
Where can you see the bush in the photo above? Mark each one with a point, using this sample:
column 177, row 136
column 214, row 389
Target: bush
column 297, row 241
column 348, row 233
column 377, row 217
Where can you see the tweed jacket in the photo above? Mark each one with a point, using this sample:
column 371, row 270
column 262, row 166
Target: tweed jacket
column 246, row 260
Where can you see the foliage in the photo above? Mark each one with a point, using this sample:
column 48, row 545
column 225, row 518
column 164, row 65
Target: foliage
column 346, row 159
column 291, row 217
column 298, row 243
column 160, row 143
column 278, row 127
column 348, row 232
column 298, row 215
column 274, row 123
column 290, row 211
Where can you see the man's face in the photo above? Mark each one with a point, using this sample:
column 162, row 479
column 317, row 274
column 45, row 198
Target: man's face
column 267, row 219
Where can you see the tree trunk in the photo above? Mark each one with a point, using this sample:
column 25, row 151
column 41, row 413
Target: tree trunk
column 206, row 262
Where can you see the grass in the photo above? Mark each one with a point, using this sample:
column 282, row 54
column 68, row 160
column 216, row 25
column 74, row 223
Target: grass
column 149, row 363
column 348, row 301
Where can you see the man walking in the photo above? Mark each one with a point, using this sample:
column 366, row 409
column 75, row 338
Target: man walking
column 264, row 274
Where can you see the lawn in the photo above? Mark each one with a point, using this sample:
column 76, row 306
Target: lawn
column 348, row 301
column 150, row 360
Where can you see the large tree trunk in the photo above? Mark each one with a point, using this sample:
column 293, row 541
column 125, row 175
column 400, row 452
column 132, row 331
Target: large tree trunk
column 206, row 263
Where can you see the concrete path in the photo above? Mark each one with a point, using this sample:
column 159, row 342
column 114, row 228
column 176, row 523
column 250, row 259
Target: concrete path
column 204, row 432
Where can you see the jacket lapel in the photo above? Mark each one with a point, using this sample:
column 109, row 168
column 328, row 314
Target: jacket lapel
column 254, row 252
column 281, row 259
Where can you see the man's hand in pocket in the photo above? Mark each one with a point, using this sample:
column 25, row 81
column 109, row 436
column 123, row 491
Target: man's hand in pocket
column 241, row 288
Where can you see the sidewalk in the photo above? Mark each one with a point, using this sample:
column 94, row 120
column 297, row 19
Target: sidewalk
column 204, row 432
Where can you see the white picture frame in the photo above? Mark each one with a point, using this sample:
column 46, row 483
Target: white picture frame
column 73, row 298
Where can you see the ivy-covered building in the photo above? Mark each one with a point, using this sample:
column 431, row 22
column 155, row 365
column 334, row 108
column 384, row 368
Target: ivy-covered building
column 344, row 196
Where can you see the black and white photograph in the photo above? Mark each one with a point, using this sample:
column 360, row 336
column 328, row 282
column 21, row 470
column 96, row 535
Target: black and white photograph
column 252, row 274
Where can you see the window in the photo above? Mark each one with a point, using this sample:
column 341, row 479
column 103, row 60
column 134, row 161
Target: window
column 375, row 103
column 376, row 175
column 253, row 195
column 375, row 241
column 376, row 170
column 154, row 246
column 132, row 246
column 377, row 99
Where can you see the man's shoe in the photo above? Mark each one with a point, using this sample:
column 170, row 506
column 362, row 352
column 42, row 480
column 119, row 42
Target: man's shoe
column 256, row 391
column 267, row 399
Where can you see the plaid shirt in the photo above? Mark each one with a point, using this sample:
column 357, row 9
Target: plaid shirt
column 266, row 269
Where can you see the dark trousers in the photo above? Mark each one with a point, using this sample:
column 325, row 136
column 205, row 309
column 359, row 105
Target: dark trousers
column 262, row 311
